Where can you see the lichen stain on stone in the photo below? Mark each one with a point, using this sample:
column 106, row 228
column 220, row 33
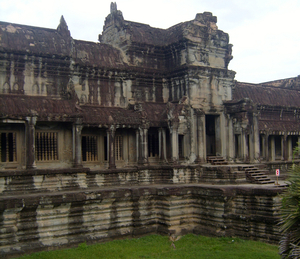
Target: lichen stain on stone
column 11, row 29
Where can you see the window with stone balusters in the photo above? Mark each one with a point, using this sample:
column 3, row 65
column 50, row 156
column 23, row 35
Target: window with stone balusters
column 119, row 147
column 46, row 146
column 8, row 149
column 89, row 145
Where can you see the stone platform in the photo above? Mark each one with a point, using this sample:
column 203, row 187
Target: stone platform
column 48, row 209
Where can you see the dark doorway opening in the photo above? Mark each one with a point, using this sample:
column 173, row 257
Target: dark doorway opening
column 210, row 123
column 153, row 142
column 237, row 146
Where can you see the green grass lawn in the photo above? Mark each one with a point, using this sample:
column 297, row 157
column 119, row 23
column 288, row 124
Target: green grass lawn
column 155, row 246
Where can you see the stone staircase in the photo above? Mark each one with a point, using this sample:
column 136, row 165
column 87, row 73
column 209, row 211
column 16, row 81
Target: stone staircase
column 256, row 175
column 216, row 160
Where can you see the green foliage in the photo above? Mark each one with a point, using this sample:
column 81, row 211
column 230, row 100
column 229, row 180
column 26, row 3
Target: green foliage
column 155, row 246
column 290, row 215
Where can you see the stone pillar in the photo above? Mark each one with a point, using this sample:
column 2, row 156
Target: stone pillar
column 201, row 139
column 289, row 148
column 143, row 144
column 254, row 140
column 111, row 147
column 223, row 138
column 77, row 148
column 244, row 149
column 251, row 147
column 272, row 148
column 174, row 140
column 30, row 142
column 256, row 152
column 193, row 138
column 137, row 145
column 162, row 144
column 231, row 146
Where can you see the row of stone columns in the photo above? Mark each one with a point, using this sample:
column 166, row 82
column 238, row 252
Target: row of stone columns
column 223, row 136
column 248, row 140
column 286, row 147
column 141, row 146
column 30, row 142
column 224, row 139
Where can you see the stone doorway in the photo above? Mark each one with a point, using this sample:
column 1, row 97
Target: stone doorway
column 210, row 122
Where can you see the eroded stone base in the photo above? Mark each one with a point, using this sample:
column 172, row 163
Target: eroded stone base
column 34, row 221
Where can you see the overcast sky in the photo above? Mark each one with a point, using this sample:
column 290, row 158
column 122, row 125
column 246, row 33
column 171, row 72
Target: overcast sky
column 265, row 33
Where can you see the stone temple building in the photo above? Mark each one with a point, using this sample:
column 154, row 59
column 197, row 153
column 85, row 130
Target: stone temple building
column 141, row 95
column 140, row 99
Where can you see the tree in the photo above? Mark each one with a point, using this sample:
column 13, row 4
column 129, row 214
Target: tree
column 290, row 215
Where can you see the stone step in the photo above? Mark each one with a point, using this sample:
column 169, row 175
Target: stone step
column 254, row 172
column 216, row 160
column 257, row 170
column 245, row 168
column 262, row 178
column 281, row 185
column 220, row 163
column 252, row 169
column 266, row 182
column 215, row 157
column 257, row 175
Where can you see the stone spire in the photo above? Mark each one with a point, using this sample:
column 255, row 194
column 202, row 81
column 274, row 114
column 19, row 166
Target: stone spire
column 62, row 28
column 113, row 7
column 114, row 19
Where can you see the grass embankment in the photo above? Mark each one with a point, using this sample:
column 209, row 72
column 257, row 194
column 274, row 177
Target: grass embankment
column 155, row 246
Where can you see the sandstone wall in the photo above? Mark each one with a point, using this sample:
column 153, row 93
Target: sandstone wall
column 58, row 209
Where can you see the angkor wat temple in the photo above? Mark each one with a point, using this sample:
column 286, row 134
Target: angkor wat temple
column 141, row 108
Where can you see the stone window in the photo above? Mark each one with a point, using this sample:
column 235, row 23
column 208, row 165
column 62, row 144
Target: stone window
column 8, row 148
column 89, row 148
column 46, row 148
column 119, row 147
